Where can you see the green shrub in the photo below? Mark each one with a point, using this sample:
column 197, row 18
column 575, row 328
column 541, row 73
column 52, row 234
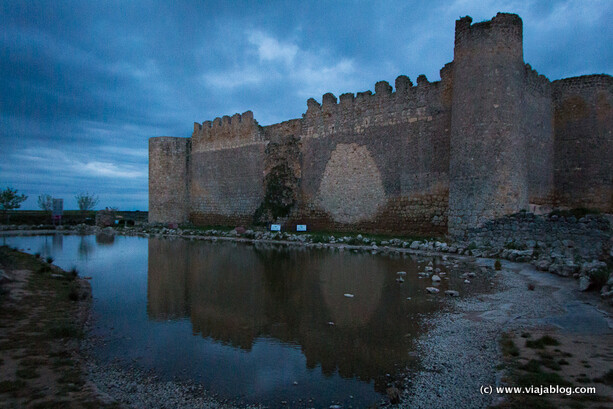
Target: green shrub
column 541, row 342
column 508, row 346
column 497, row 265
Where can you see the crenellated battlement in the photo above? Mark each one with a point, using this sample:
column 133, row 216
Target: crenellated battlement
column 226, row 132
column 355, row 112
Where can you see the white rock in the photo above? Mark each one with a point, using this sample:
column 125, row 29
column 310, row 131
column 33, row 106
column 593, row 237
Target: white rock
column 584, row 283
column 402, row 273
column 467, row 281
column 432, row 290
column 452, row 293
column 436, row 278
column 348, row 295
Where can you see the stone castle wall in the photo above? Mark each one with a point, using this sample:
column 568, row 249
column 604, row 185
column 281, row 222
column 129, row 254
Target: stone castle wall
column 584, row 141
column 488, row 139
column 169, row 179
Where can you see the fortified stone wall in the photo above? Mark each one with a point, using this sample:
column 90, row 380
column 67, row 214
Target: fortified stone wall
column 378, row 162
column 226, row 170
column 584, row 141
column 487, row 140
column 538, row 131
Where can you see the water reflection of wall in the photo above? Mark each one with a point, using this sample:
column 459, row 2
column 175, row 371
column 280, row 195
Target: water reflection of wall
column 235, row 293
column 166, row 285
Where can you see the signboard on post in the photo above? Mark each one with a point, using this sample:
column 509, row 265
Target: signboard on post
column 58, row 209
column 275, row 227
column 301, row 227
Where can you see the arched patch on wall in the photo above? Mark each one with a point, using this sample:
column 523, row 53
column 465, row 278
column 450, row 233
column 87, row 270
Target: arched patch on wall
column 351, row 188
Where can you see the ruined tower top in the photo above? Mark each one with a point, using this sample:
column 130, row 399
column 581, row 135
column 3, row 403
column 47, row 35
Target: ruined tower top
column 503, row 33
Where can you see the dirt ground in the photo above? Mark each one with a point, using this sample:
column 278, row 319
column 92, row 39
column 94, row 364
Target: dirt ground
column 42, row 313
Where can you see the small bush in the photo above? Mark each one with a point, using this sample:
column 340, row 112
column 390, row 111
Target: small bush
column 353, row 241
column 11, row 386
column 43, row 269
column 27, row 373
column 49, row 259
column 541, row 342
column 497, row 265
column 508, row 346
column 532, row 366
column 73, row 273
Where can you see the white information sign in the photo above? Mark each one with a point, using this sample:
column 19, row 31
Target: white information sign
column 275, row 227
column 301, row 227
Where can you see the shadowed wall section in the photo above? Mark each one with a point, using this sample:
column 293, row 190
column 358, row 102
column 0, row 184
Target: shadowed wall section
column 584, row 142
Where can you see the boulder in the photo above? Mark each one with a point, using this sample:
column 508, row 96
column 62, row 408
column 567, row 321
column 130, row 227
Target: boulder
column 584, row 283
column 436, row 278
column 452, row 293
column 432, row 290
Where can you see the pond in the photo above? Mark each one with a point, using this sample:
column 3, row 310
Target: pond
column 253, row 323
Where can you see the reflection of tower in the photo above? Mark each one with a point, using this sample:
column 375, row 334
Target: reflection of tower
column 227, row 293
column 45, row 249
column 58, row 242
column 85, row 247
column 167, row 280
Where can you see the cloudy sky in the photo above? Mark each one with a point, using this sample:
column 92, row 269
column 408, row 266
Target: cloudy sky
column 84, row 84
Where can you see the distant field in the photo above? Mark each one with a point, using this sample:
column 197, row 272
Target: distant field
column 69, row 217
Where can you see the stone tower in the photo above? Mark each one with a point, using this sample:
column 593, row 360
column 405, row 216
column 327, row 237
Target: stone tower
column 168, row 179
column 488, row 175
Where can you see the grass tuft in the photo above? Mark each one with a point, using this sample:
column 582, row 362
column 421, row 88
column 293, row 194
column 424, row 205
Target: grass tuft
column 542, row 342
column 508, row 346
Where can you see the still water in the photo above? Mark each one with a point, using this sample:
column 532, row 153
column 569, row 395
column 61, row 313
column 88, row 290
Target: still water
column 252, row 323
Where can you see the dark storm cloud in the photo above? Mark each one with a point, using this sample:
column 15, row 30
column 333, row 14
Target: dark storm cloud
column 85, row 84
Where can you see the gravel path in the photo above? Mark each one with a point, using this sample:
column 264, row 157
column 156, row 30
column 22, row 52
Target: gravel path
column 460, row 352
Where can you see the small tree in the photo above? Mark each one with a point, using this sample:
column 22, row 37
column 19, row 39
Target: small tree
column 86, row 202
column 45, row 202
column 10, row 200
